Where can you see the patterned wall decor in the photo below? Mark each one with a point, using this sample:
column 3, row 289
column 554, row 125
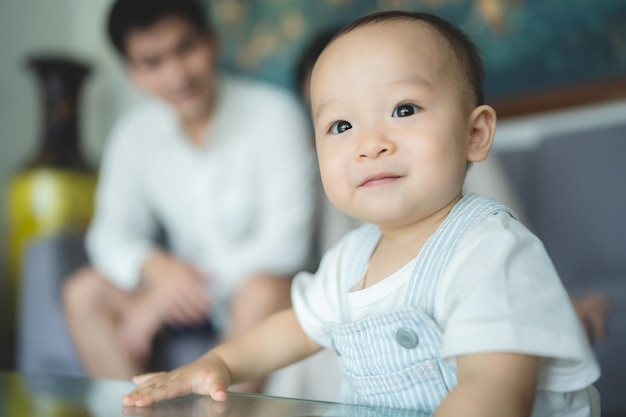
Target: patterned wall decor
column 528, row 45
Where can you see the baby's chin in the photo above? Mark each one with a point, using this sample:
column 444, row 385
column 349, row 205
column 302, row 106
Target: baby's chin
column 381, row 219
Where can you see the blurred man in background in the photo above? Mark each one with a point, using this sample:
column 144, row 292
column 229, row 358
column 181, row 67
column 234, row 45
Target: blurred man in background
column 223, row 165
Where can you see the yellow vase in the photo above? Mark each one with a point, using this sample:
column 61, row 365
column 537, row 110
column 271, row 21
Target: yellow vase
column 53, row 193
column 42, row 202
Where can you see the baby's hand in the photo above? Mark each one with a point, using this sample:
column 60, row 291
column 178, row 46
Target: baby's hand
column 206, row 376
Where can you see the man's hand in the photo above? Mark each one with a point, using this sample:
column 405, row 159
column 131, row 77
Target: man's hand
column 208, row 375
column 593, row 312
column 177, row 291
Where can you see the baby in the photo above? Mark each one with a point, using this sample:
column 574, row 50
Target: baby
column 442, row 303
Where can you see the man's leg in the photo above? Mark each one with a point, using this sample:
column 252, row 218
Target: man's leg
column 257, row 298
column 94, row 309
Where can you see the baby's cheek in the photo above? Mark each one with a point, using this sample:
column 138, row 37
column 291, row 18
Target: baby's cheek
column 331, row 185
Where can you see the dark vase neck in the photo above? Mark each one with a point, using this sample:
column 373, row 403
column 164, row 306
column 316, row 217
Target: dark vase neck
column 60, row 80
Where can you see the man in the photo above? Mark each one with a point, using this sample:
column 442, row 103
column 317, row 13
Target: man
column 222, row 164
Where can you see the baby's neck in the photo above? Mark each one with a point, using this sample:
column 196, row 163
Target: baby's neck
column 390, row 255
column 399, row 245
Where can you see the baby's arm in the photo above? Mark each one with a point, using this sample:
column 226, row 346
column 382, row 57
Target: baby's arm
column 276, row 342
column 493, row 384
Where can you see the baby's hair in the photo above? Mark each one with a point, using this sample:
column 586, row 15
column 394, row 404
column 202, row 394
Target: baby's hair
column 467, row 54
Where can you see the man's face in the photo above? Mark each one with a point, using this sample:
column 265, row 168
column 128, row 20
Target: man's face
column 175, row 62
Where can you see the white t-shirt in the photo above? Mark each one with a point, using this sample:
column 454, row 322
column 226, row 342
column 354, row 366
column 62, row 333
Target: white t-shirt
column 244, row 202
column 499, row 293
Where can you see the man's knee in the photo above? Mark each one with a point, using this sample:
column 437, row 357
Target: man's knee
column 84, row 289
column 264, row 293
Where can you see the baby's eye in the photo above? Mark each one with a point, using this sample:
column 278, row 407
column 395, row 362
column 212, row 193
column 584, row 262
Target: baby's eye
column 340, row 127
column 404, row 110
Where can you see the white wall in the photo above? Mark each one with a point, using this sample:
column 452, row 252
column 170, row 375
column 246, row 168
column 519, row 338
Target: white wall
column 528, row 131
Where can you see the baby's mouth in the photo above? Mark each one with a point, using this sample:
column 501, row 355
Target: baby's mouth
column 379, row 179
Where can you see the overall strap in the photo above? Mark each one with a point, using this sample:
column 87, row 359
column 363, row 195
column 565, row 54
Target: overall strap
column 439, row 248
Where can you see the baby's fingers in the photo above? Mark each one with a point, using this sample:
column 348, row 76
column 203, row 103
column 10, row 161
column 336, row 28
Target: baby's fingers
column 152, row 392
column 140, row 379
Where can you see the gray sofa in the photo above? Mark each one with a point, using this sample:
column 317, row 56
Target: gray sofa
column 570, row 185
column 573, row 189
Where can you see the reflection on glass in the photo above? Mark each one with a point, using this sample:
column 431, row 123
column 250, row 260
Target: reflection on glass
column 50, row 396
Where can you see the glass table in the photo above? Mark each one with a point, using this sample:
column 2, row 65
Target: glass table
column 23, row 395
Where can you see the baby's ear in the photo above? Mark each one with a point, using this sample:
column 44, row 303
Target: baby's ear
column 482, row 126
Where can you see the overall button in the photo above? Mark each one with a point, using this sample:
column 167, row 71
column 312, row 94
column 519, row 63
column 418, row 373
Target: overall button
column 407, row 338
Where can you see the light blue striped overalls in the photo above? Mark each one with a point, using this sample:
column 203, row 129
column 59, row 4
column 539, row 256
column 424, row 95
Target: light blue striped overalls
column 394, row 359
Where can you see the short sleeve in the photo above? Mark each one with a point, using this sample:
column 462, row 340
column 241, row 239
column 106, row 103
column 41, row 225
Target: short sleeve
column 315, row 299
column 321, row 298
column 501, row 293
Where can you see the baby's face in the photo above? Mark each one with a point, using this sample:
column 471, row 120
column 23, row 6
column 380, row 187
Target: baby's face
column 391, row 124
